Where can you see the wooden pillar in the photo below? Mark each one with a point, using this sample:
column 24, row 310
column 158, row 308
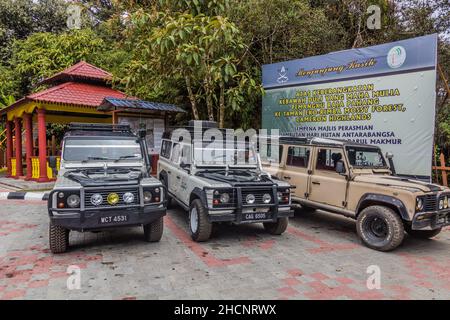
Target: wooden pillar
column 444, row 172
column 9, row 146
column 42, row 138
column 28, row 124
column 18, row 138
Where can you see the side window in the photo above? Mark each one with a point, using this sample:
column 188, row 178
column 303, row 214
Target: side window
column 165, row 149
column 327, row 159
column 267, row 155
column 298, row 157
column 176, row 153
column 186, row 154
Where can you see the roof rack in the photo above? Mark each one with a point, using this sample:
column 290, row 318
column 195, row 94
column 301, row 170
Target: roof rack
column 99, row 127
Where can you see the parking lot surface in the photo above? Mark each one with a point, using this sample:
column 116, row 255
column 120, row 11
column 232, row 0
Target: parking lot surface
column 319, row 257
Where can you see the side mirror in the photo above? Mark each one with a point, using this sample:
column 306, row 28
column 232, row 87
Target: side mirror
column 142, row 133
column 340, row 167
column 52, row 162
column 390, row 157
column 185, row 166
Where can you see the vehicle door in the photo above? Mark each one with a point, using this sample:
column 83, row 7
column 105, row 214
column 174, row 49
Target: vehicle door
column 296, row 168
column 326, row 185
column 184, row 173
column 174, row 172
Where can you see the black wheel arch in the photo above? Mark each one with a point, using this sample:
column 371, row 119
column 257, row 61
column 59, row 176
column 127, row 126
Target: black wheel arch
column 198, row 193
column 371, row 199
column 163, row 175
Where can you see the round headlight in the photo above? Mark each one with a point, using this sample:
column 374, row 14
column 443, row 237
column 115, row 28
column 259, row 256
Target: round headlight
column 250, row 198
column 441, row 204
column 224, row 197
column 128, row 197
column 73, row 201
column 419, row 204
column 266, row 198
column 147, row 196
column 279, row 195
column 96, row 199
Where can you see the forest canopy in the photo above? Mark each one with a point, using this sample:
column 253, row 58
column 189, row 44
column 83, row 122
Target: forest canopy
column 204, row 55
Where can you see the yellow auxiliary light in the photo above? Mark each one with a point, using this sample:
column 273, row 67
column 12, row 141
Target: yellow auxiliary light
column 113, row 198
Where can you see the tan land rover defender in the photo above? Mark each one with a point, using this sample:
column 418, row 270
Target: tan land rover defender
column 355, row 180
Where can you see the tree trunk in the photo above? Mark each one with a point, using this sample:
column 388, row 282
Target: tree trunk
column 209, row 100
column 192, row 98
column 222, row 105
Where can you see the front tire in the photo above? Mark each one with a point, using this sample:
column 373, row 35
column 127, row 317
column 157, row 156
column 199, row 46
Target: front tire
column 153, row 231
column 58, row 239
column 380, row 228
column 199, row 224
column 276, row 228
column 422, row 234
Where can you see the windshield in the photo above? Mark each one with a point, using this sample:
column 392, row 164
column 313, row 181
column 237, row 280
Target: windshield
column 361, row 157
column 217, row 155
column 88, row 149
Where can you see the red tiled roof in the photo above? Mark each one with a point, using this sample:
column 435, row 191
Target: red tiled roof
column 76, row 93
column 81, row 70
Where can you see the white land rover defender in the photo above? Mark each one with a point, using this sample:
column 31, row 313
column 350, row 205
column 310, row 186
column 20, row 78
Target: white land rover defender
column 207, row 179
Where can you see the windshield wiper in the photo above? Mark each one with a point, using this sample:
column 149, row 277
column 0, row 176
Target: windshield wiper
column 95, row 158
column 125, row 157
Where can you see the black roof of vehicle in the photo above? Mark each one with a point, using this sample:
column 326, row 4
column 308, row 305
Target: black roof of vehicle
column 98, row 130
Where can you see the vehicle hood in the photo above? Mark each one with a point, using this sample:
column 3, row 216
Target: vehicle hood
column 105, row 177
column 236, row 177
column 399, row 182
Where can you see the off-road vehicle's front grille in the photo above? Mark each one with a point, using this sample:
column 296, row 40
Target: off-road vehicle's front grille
column 430, row 202
column 105, row 192
column 258, row 193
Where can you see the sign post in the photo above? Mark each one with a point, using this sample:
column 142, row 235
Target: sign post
column 383, row 95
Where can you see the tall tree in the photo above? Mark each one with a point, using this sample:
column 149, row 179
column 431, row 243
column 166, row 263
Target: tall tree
column 43, row 54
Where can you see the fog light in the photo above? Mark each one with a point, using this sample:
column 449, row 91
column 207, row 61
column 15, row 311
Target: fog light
column 445, row 202
column 250, row 199
column 96, row 199
column 128, row 197
column 266, row 198
column 73, row 201
column 61, row 195
column 113, row 198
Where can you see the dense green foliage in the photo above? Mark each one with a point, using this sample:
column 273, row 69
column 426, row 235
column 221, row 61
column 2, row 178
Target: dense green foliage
column 204, row 55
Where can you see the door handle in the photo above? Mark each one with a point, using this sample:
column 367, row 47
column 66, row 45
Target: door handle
column 169, row 171
column 315, row 182
column 178, row 177
column 287, row 177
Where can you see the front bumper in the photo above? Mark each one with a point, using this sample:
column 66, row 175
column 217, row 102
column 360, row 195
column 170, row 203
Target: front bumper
column 431, row 220
column 90, row 220
column 243, row 217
